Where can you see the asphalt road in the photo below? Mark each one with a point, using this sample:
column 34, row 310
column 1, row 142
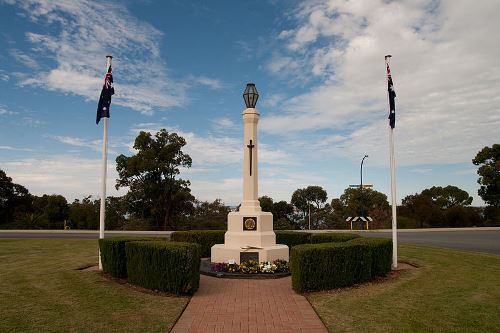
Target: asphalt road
column 472, row 240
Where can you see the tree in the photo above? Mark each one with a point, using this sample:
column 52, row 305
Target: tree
column 361, row 202
column 84, row 214
column 449, row 196
column 282, row 210
column 15, row 199
column 266, row 203
column 489, row 174
column 311, row 195
column 51, row 210
column 311, row 198
column 208, row 215
column 155, row 192
column 423, row 209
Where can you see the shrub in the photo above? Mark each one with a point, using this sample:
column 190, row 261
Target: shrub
column 166, row 266
column 329, row 265
column 381, row 253
column 292, row 238
column 113, row 258
column 334, row 265
column 206, row 239
column 332, row 237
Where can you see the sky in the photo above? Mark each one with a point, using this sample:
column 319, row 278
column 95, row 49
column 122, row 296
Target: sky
column 319, row 69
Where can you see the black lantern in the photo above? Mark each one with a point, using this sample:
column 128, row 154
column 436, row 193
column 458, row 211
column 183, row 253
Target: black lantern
column 250, row 95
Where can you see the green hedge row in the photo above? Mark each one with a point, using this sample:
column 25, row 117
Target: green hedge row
column 205, row 238
column 334, row 265
column 332, row 237
column 381, row 254
column 292, row 238
column 166, row 266
column 113, row 258
column 208, row 238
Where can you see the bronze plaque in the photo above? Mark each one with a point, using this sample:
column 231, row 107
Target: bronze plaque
column 249, row 223
column 246, row 256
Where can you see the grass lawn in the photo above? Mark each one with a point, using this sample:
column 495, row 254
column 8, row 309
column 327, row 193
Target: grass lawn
column 452, row 291
column 40, row 291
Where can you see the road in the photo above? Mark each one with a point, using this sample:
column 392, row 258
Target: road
column 471, row 239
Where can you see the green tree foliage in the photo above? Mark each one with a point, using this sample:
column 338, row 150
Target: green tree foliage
column 440, row 207
column 311, row 198
column 449, row 196
column 84, row 214
column 266, row 203
column 15, row 200
column 282, row 213
column 208, row 215
column 423, row 209
column 52, row 210
column 156, row 194
column 366, row 202
column 311, row 195
column 488, row 159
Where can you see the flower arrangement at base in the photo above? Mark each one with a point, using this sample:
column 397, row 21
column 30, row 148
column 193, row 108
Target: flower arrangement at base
column 252, row 267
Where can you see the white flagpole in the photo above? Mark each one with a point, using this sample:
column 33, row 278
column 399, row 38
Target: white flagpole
column 104, row 170
column 393, row 192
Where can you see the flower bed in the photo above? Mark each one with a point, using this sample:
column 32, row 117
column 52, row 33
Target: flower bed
column 252, row 267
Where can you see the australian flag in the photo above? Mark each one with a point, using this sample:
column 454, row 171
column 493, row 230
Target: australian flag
column 392, row 96
column 105, row 98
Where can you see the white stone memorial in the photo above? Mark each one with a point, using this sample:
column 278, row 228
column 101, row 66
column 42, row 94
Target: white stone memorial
column 250, row 234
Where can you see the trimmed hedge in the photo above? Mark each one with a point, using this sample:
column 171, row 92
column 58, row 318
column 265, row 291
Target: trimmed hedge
column 335, row 265
column 381, row 252
column 206, row 239
column 292, row 238
column 332, row 237
column 113, row 258
column 166, row 266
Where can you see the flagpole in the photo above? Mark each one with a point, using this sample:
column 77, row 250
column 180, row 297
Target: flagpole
column 393, row 191
column 102, row 213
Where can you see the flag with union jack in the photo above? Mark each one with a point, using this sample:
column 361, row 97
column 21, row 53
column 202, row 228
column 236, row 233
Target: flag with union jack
column 105, row 99
column 392, row 96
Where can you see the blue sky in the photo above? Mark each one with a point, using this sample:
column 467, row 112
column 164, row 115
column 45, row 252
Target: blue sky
column 319, row 69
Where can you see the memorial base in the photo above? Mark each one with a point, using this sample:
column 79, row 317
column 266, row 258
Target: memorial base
column 225, row 253
column 249, row 241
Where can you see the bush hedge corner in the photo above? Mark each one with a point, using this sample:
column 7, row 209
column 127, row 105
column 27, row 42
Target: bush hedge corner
column 165, row 266
column 335, row 265
column 332, row 237
column 381, row 253
column 292, row 238
column 113, row 258
column 206, row 239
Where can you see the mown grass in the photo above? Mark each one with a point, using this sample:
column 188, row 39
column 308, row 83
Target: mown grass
column 41, row 291
column 451, row 291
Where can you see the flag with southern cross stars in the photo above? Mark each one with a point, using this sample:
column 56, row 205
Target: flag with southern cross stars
column 392, row 96
column 105, row 99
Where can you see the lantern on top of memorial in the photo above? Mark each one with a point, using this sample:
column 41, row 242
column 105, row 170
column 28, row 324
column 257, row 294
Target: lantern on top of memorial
column 250, row 95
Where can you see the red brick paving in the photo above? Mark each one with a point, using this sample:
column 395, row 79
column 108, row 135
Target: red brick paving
column 241, row 305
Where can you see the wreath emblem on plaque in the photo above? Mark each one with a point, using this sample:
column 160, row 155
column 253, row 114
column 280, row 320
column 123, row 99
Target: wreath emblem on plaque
column 249, row 223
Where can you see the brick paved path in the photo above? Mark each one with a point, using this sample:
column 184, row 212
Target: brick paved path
column 234, row 305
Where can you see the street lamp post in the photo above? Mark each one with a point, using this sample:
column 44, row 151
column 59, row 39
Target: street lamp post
column 361, row 184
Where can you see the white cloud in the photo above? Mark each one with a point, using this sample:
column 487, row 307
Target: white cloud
column 208, row 82
column 10, row 148
column 5, row 111
column 3, row 76
column 223, row 124
column 25, row 59
column 69, row 175
column 89, row 30
column 445, row 67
